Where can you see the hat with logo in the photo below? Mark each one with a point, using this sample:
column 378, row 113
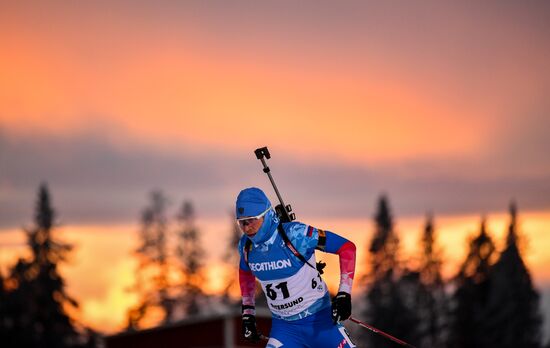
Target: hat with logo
column 251, row 202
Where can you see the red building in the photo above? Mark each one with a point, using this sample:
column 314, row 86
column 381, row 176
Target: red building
column 218, row 331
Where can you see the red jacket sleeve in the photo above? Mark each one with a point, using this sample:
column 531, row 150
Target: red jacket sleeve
column 247, row 282
column 346, row 254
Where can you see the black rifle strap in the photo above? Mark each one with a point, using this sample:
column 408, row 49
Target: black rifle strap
column 247, row 247
column 322, row 243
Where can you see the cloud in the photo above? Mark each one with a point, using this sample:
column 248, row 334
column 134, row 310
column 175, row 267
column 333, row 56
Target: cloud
column 94, row 180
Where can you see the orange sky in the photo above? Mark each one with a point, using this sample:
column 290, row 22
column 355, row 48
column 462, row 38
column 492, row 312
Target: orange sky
column 180, row 98
column 179, row 83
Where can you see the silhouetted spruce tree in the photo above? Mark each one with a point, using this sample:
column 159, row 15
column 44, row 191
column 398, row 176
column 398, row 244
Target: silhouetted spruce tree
column 513, row 303
column 18, row 312
column 4, row 318
column 386, row 292
column 231, row 258
column 472, row 292
column 39, row 300
column 190, row 254
column 152, row 276
column 432, row 302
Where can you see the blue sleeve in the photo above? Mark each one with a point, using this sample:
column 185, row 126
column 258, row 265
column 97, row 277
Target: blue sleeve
column 303, row 237
column 334, row 242
column 306, row 238
column 242, row 263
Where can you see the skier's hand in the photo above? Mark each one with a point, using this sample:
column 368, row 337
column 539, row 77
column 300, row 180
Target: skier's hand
column 341, row 306
column 250, row 331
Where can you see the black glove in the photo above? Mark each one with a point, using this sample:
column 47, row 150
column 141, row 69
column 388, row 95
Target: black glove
column 250, row 331
column 341, row 306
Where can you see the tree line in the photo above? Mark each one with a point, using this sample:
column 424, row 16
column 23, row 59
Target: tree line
column 490, row 301
column 169, row 277
column 34, row 303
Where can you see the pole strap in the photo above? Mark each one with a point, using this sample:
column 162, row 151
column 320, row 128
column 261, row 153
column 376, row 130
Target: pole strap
column 380, row 332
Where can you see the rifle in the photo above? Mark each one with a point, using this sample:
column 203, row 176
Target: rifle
column 283, row 211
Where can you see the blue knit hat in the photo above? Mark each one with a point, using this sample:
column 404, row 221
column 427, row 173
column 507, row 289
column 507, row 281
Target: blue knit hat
column 251, row 202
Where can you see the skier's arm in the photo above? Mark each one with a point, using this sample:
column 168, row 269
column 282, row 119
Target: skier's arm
column 247, row 282
column 308, row 238
column 345, row 249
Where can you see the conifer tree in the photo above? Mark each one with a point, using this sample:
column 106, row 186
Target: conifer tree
column 152, row 283
column 513, row 303
column 387, row 307
column 432, row 302
column 40, row 300
column 472, row 293
column 19, row 315
column 4, row 319
column 190, row 255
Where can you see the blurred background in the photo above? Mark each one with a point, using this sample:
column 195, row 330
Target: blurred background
column 418, row 130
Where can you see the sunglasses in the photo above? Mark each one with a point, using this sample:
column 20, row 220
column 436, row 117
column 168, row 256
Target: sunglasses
column 251, row 219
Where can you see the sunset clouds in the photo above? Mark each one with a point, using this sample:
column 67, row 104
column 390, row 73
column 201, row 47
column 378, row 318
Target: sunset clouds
column 378, row 83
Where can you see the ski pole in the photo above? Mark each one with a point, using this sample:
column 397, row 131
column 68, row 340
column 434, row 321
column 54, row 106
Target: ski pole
column 284, row 211
column 380, row 332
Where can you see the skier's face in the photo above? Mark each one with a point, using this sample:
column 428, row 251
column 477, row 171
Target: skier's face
column 251, row 226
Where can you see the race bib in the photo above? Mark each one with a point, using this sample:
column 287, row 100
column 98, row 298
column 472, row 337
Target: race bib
column 292, row 295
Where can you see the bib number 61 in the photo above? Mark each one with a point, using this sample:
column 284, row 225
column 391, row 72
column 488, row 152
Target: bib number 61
column 272, row 294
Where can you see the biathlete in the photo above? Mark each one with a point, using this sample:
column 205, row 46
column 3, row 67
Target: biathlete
column 282, row 257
